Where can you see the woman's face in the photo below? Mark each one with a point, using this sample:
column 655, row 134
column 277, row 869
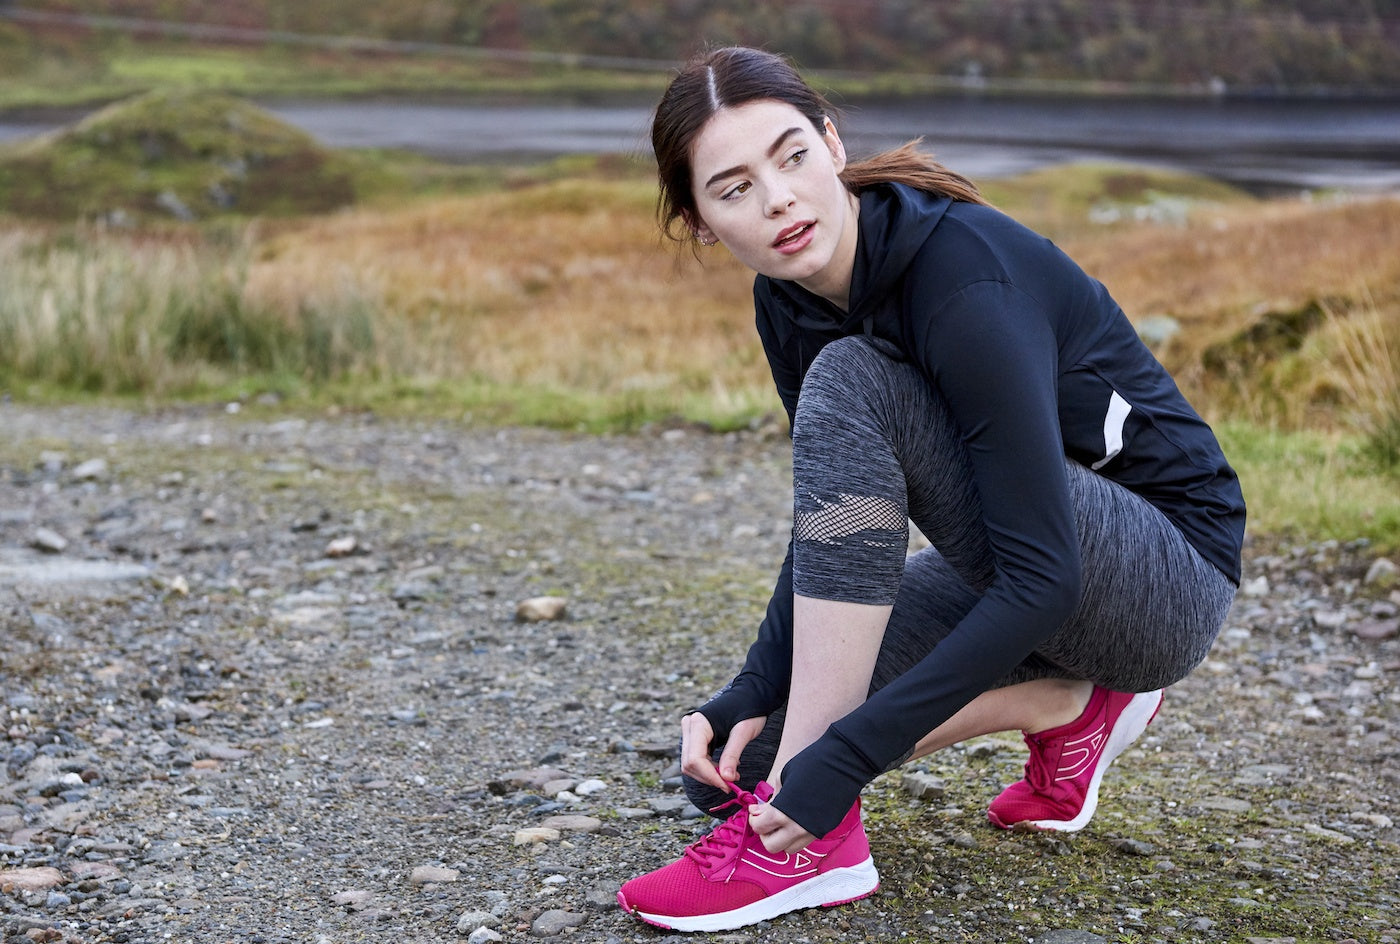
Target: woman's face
column 765, row 184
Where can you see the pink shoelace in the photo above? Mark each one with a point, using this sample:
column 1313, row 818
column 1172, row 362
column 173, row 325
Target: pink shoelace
column 1038, row 774
column 728, row 835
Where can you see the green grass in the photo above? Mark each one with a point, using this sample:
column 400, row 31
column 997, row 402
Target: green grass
column 1310, row 485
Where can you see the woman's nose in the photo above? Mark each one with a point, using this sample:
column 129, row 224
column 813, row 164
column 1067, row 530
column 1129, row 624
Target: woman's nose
column 779, row 199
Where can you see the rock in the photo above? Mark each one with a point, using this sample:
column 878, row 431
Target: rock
column 30, row 880
column 476, row 920
column 48, row 541
column 1135, row 847
column 1374, row 629
column 1320, row 832
column 1224, row 804
column 483, row 936
column 552, row 923
column 601, row 897
column 342, row 547
column 541, row 609
column 355, row 898
column 1064, row 936
column 573, row 824
column 1256, row 587
column 89, row 470
column 924, row 786
column 533, row 779
column 533, row 834
column 590, row 787
column 1382, row 574
column 432, row 875
column 669, row 806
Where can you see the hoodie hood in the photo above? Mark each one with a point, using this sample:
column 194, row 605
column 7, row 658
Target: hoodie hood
column 895, row 221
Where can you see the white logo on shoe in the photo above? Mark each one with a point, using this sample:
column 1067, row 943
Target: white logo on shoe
column 1074, row 760
column 786, row 866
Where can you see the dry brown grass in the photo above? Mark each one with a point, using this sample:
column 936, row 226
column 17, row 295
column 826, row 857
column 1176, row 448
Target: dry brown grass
column 561, row 286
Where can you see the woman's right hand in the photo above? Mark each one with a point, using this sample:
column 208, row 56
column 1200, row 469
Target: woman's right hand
column 696, row 735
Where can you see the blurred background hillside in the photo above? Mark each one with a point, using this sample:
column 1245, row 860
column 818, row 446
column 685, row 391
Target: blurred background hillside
column 1292, row 46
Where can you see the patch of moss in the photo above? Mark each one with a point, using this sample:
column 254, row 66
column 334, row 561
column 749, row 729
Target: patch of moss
column 173, row 154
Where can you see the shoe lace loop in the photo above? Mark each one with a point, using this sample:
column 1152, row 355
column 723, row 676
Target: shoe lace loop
column 1038, row 773
column 728, row 835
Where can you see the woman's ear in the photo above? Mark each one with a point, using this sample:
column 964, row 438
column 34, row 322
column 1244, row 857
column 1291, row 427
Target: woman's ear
column 702, row 232
column 834, row 145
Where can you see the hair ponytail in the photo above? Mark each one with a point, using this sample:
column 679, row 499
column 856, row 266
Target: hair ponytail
column 910, row 166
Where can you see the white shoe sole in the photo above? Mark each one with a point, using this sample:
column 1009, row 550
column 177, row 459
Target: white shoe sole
column 1131, row 723
column 825, row 890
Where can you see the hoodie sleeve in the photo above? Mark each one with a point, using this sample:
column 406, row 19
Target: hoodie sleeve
column 992, row 354
column 762, row 684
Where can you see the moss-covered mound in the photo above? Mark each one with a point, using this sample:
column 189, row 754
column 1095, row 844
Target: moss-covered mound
column 173, row 155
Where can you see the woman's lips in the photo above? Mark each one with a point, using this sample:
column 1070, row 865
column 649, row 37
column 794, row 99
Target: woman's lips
column 795, row 238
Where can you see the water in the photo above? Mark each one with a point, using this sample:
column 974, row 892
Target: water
column 1261, row 144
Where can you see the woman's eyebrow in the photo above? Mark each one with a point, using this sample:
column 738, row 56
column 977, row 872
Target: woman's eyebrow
column 772, row 149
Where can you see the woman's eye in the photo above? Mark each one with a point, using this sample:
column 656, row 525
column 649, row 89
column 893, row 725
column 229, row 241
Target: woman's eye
column 735, row 191
column 797, row 156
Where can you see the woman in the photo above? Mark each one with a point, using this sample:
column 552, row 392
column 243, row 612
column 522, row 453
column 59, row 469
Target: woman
column 940, row 363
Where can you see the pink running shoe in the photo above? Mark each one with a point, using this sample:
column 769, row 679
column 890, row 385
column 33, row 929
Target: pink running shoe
column 728, row 879
column 1061, row 787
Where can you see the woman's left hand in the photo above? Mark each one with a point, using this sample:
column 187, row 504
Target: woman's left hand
column 776, row 831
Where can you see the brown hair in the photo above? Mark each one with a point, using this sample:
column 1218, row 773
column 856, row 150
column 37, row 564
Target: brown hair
column 734, row 75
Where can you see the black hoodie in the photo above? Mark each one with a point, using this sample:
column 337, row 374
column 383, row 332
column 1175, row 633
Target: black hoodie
column 1036, row 362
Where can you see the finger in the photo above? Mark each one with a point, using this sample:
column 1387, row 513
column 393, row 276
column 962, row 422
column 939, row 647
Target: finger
column 696, row 735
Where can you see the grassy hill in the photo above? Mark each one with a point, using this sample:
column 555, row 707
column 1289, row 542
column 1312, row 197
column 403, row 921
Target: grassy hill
column 48, row 51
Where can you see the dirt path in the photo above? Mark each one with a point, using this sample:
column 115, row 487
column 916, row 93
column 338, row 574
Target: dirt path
column 264, row 681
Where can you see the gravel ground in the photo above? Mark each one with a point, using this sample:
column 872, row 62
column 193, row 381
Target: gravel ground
column 265, row 679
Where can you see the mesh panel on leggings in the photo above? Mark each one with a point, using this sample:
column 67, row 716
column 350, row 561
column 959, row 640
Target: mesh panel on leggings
column 828, row 522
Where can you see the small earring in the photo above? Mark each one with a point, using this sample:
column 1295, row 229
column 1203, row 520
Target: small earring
column 704, row 241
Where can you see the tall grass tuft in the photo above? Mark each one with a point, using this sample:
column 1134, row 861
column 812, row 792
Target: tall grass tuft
column 1369, row 375
column 105, row 315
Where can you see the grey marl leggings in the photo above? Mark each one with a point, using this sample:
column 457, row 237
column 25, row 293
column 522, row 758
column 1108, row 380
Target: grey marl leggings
column 874, row 447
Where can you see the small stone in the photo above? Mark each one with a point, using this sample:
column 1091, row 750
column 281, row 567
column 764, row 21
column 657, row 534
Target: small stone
column 1257, row 587
column 474, row 920
column 1224, row 804
column 924, row 786
column 484, row 936
column 541, row 609
column 590, row 787
column 1135, row 847
column 432, row 875
column 356, row 898
column 1320, row 832
column 1064, row 936
column 601, row 897
column 342, row 547
column 48, row 541
column 533, row 779
column 533, row 834
column 573, row 824
column 1382, row 574
column 1375, row 629
column 89, row 470
column 669, row 806
column 30, row 880
column 553, row 922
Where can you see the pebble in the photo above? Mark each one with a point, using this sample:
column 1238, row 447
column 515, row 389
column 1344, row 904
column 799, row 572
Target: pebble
column 472, row 920
column 1383, row 574
column 1066, row 936
column 553, row 922
column 1224, row 804
column 924, row 786
column 90, row 470
column 1135, row 847
column 541, row 609
column 433, row 875
column 30, row 880
column 590, row 787
column 48, row 541
column 535, row 834
column 482, row 936
column 572, row 824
